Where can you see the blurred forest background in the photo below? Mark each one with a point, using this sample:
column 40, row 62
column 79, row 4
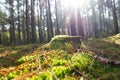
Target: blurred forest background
column 37, row 21
column 41, row 40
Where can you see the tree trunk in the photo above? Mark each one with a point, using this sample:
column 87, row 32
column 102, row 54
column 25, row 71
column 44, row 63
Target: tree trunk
column 40, row 29
column 73, row 24
column 56, row 13
column 115, row 18
column 27, row 22
column 33, row 26
column 11, row 21
column 79, row 24
column 19, row 36
column 95, row 28
column 49, row 21
column 23, row 24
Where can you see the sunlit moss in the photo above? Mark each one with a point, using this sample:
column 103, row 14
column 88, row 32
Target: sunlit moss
column 24, row 59
column 58, row 62
column 61, row 71
column 80, row 61
column 65, row 42
column 13, row 75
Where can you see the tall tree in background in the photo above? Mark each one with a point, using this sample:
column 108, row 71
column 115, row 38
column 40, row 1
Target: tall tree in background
column 100, row 8
column 49, row 20
column 40, row 21
column 56, row 13
column 115, row 18
column 73, row 24
column 11, row 22
column 3, row 22
column 79, row 24
column 19, row 31
column 27, row 21
column 54, row 17
column 33, row 26
column 94, row 23
column 24, row 24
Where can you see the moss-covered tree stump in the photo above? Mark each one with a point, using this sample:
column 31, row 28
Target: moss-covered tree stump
column 65, row 42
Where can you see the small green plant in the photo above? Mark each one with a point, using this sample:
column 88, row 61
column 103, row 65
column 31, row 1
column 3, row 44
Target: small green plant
column 58, row 62
column 13, row 75
column 24, row 59
column 61, row 71
column 42, row 76
column 45, row 75
column 80, row 60
column 69, row 78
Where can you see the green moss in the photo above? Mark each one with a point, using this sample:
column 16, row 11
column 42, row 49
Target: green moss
column 65, row 42
column 61, row 71
column 42, row 76
column 80, row 61
column 24, row 59
column 12, row 75
column 69, row 78
column 45, row 75
column 58, row 62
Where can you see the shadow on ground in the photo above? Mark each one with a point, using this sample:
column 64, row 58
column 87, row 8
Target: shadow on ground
column 104, row 49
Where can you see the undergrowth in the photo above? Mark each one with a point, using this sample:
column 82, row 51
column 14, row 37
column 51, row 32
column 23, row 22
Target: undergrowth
column 44, row 63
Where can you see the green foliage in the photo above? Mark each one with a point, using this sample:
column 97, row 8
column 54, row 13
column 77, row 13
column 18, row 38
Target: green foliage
column 69, row 78
column 46, row 47
column 45, row 75
column 12, row 75
column 61, row 71
column 65, row 42
column 42, row 76
column 80, row 61
column 3, row 20
column 59, row 62
column 113, row 39
column 104, row 71
column 24, row 59
column 46, row 64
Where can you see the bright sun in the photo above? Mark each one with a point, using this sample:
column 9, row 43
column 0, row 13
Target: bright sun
column 74, row 3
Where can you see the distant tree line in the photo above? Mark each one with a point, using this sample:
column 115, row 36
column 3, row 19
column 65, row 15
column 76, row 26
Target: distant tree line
column 37, row 21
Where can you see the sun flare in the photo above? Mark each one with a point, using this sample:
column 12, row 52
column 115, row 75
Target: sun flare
column 75, row 3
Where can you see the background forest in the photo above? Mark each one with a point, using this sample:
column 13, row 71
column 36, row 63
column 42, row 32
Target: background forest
column 37, row 21
column 59, row 39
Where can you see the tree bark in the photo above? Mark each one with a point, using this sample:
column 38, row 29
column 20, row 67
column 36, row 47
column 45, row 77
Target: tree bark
column 19, row 36
column 79, row 24
column 11, row 21
column 27, row 22
column 49, row 20
column 56, row 13
column 115, row 18
column 73, row 24
column 33, row 26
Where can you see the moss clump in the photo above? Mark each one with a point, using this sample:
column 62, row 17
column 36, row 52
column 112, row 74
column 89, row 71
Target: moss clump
column 24, row 59
column 113, row 39
column 61, row 71
column 65, row 42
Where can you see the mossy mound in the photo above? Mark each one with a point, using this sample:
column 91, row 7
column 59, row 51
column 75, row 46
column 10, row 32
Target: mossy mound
column 113, row 39
column 65, row 42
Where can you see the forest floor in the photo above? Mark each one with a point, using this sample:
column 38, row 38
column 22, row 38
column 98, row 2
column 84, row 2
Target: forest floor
column 32, row 62
column 106, row 47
